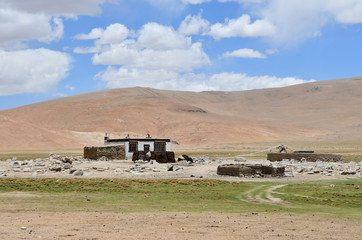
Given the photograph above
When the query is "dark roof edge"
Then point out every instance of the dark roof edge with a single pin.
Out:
(138, 139)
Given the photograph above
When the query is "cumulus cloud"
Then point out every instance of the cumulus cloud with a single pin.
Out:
(32, 70)
(155, 47)
(95, 33)
(298, 20)
(193, 25)
(55, 7)
(175, 59)
(250, 53)
(163, 79)
(114, 33)
(245, 53)
(39, 19)
(242, 27)
(17, 26)
(157, 36)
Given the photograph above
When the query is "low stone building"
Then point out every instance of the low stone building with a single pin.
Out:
(158, 149)
(148, 144)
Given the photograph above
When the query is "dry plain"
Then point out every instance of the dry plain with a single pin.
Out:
(257, 212)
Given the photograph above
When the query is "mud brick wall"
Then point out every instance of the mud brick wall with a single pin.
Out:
(110, 152)
(310, 157)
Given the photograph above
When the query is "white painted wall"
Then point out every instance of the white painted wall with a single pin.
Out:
(168, 146)
(141, 145)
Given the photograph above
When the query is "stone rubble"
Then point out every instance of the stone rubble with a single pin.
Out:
(293, 167)
(58, 165)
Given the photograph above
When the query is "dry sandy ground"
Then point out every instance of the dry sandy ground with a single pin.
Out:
(49, 225)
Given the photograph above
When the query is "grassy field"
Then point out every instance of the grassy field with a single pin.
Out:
(325, 198)
(33, 154)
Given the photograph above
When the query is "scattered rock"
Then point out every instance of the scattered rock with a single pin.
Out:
(67, 165)
(240, 159)
(169, 168)
(78, 172)
(187, 158)
(55, 168)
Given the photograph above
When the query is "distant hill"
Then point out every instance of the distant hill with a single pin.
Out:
(313, 111)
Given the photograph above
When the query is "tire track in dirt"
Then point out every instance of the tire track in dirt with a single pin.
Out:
(255, 194)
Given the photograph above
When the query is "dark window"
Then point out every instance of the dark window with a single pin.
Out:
(146, 147)
(160, 147)
(133, 146)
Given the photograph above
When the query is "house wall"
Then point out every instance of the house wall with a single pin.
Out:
(168, 146)
(140, 146)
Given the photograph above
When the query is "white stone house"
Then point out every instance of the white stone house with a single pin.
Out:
(140, 144)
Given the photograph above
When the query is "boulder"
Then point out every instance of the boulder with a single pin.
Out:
(78, 172)
(240, 159)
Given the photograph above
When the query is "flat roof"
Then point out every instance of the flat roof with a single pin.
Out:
(138, 139)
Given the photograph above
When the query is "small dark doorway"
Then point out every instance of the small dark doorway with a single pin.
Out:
(146, 147)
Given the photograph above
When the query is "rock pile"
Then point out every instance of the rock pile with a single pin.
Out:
(293, 167)
(54, 163)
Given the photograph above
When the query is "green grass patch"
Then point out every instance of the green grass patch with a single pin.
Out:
(29, 155)
(124, 195)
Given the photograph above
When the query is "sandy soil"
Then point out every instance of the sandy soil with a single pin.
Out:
(48, 225)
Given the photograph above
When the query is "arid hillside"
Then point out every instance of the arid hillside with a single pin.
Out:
(314, 111)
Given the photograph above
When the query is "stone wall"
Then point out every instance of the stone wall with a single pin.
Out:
(160, 157)
(110, 152)
(248, 170)
(310, 157)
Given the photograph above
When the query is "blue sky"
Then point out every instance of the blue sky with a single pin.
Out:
(57, 48)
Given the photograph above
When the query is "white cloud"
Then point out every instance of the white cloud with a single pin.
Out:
(39, 19)
(95, 33)
(114, 33)
(16, 26)
(242, 27)
(155, 47)
(55, 7)
(298, 20)
(193, 25)
(32, 70)
(245, 53)
(175, 59)
(163, 79)
(157, 36)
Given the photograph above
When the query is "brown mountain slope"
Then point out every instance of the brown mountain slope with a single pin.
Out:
(328, 109)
